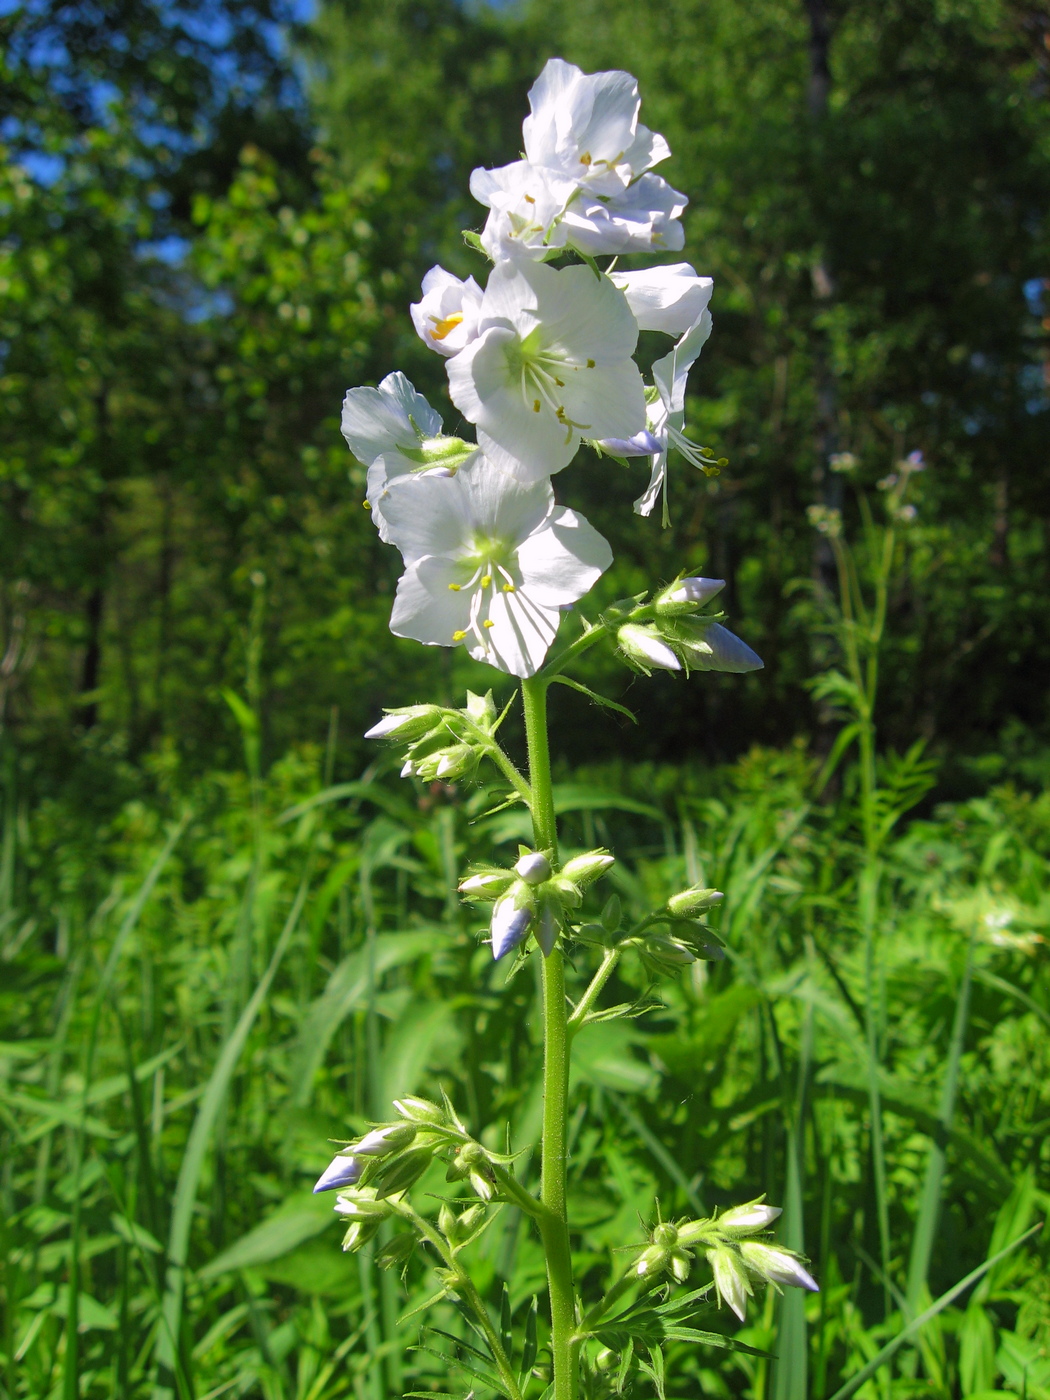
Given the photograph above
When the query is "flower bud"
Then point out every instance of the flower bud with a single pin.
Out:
(688, 591)
(776, 1265)
(486, 884)
(360, 1204)
(665, 1234)
(568, 891)
(693, 901)
(698, 1232)
(712, 647)
(548, 926)
(419, 1110)
(482, 1185)
(731, 1282)
(755, 1215)
(510, 923)
(380, 1141)
(652, 1261)
(343, 1170)
(396, 1252)
(606, 1360)
(409, 723)
(481, 710)
(359, 1233)
(470, 1155)
(451, 763)
(448, 1222)
(681, 1262)
(447, 452)
(471, 1218)
(584, 869)
(403, 1171)
(646, 649)
(534, 868)
(668, 953)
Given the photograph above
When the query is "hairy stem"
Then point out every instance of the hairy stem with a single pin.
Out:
(554, 1228)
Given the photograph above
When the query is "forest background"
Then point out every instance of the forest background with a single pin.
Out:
(214, 216)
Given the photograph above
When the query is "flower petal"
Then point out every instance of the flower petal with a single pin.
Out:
(424, 514)
(425, 608)
(564, 560)
(393, 416)
(669, 299)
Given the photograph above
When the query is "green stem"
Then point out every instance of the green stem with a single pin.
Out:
(554, 1227)
(578, 1019)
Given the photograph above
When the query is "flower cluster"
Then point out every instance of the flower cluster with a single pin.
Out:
(533, 896)
(733, 1256)
(679, 637)
(539, 360)
(373, 1173)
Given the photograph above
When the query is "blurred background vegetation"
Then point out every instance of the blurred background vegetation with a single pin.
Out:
(214, 216)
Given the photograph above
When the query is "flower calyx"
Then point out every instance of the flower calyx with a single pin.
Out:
(663, 1254)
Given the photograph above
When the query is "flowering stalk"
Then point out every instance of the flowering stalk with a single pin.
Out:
(554, 1227)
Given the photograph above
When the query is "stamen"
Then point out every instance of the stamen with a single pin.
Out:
(486, 580)
(585, 158)
(455, 587)
(590, 364)
(508, 588)
(367, 505)
(488, 622)
(535, 405)
(442, 326)
(458, 636)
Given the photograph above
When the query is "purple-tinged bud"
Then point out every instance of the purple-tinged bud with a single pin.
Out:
(509, 925)
(343, 1170)
(777, 1265)
(534, 868)
(642, 444)
(547, 928)
(690, 590)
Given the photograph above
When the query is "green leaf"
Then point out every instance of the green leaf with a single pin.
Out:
(602, 700)
(298, 1219)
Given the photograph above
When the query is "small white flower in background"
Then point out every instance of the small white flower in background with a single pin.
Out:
(584, 127)
(490, 561)
(550, 365)
(666, 413)
(446, 316)
(670, 299)
(644, 219)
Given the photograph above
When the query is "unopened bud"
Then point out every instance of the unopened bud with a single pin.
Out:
(510, 924)
(584, 869)
(448, 764)
(755, 1215)
(681, 1262)
(668, 952)
(652, 1261)
(776, 1265)
(481, 709)
(380, 1141)
(665, 1234)
(409, 723)
(343, 1170)
(448, 1222)
(418, 1110)
(403, 1171)
(359, 1233)
(606, 1360)
(693, 901)
(360, 1204)
(646, 648)
(731, 1281)
(712, 647)
(487, 883)
(534, 868)
(688, 591)
(396, 1252)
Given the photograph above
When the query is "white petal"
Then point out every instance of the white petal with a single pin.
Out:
(671, 372)
(608, 400)
(425, 608)
(424, 514)
(385, 419)
(576, 115)
(564, 560)
(645, 218)
(657, 477)
(667, 299)
(520, 636)
(446, 317)
(501, 506)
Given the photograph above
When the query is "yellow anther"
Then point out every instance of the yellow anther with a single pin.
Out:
(529, 199)
(486, 579)
(367, 505)
(590, 364)
(458, 636)
(560, 383)
(535, 405)
(508, 588)
(446, 324)
(455, 587)
(488, 622)
(585, 158)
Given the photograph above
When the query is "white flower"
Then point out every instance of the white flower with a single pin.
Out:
(446, 317)
(645, 218)
(666, 414)
(551, 363)
(489, 561)
(525, 205)
(690, 590)
(670, 299)
(391, 419)
(584, 126)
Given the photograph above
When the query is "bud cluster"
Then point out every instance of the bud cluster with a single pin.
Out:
(734, 1257)
(440, 744)
(680, 638)
(533, 896)
(391, 1157)
(688, 939)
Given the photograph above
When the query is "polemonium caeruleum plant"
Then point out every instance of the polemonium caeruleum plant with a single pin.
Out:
(540, 361)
